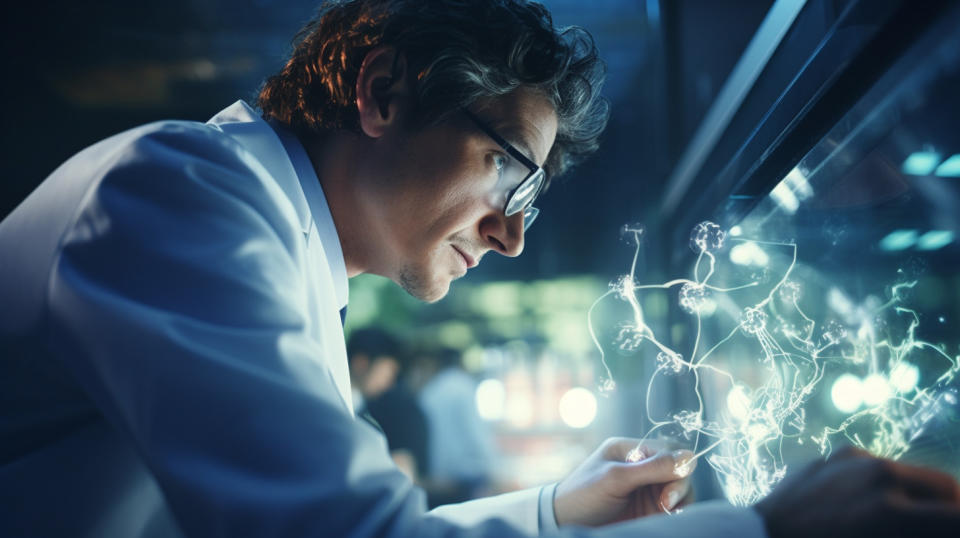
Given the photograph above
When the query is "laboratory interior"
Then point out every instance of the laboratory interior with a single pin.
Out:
(760, 263)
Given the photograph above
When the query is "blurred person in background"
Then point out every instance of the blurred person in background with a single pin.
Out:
(462, 450)
(381, 395)
(172, 359)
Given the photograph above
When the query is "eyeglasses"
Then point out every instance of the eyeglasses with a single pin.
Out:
(519, 171)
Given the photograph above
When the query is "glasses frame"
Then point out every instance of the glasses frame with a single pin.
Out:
(537, 173)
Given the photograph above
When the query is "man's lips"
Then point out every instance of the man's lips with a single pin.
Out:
(470, 261)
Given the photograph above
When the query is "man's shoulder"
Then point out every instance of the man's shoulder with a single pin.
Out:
(174, 140)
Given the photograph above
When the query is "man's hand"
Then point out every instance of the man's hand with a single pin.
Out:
(856, 495)
(606, 488)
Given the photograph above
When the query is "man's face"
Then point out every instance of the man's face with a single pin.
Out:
(441, 200)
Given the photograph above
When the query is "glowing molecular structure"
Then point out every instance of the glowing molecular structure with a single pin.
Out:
(607, 386)
(790, 292)
(690, 421)
(693, 297)
(670, 362)
(753, 320)
(744, 443)
(707, 237)
(834, 332)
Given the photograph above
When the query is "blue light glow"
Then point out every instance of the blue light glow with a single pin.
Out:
(935, 239)
(921, 163)
(950, 167)
(899, 240)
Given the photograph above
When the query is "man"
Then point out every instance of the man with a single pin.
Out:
(462, 451)
(379, 367)
(173, 357)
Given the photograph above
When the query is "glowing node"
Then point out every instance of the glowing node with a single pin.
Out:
(624, 287)
(847, 393)
(631, 232)
(683, 468)
(607, 386)
(670, 362)
(578, 407)
(634, 455)
(753, 320)
(876, 390)
(630, 338)
(790, 292)
(690, 421)
(707, 237)
(693, 297)
(834, 332)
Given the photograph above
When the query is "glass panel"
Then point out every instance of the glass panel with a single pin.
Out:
(848, 330)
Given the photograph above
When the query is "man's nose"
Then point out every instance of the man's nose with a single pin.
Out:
(504, 234)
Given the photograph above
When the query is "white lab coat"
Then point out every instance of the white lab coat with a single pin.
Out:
(173, 359)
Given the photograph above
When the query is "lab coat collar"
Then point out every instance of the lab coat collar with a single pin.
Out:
(285, 158)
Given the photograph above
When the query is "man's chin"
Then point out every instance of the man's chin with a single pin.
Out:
(427, 291)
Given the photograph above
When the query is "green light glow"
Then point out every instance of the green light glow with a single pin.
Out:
(935, 239)
(950, 167)
(921, 163)
(898, 240)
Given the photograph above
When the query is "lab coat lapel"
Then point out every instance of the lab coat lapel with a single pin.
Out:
(256, 136)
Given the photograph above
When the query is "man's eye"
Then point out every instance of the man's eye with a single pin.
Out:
(500, 161)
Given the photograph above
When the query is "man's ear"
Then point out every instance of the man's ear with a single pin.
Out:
(382, 91)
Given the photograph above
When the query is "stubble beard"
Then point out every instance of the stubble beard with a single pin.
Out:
(418, 285)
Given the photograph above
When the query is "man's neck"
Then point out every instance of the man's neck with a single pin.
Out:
(334, 158)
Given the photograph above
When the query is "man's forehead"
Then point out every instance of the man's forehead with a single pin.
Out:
(526, 119)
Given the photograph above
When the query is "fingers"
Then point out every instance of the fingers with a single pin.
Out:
(673, 493)
(626, 448)
(661, 468)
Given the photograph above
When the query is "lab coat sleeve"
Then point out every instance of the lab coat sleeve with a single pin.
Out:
(177, 301)
(519, 508)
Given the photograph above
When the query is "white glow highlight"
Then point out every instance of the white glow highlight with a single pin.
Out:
(785, 198)
(491, 399)
(847, 393)
(749, 253)
(797, 181)
(904, 377)
(578, 407)
(876, 390)
(738, 403)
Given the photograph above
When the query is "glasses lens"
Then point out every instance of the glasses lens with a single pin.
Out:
(525, 194)
(529, 215)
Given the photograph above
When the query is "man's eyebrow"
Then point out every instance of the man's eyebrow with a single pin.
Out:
(515, 137)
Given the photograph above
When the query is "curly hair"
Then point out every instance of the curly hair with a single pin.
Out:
(458, 50)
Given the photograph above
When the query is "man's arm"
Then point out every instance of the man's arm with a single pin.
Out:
(178, 302)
